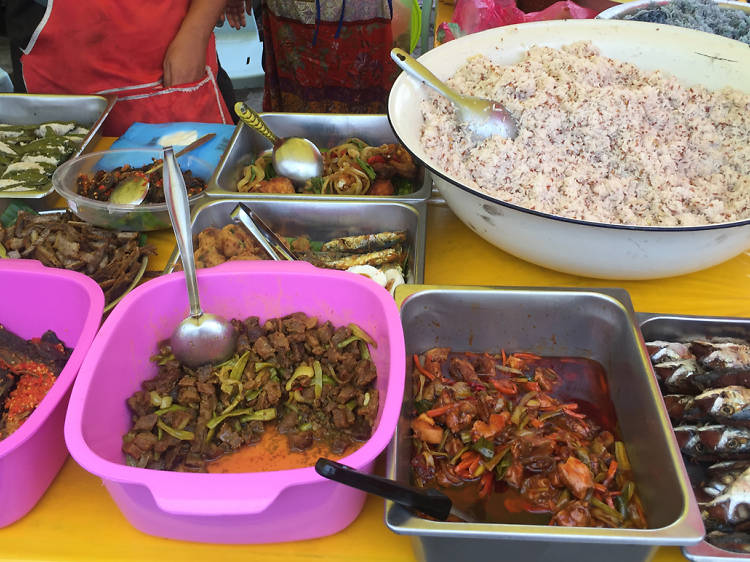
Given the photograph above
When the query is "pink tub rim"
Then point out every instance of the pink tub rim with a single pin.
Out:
(228, 493)
(68, 374)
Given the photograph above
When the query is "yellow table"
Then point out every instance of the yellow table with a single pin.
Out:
(77, 520)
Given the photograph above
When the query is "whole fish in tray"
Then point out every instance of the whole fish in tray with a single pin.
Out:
(729, 405)
(679, 375)
(716, 478)
(661, 351)
(712, 442)
(732, 505)
(682, 408)
(728, 355)
(366, 243)
(706, 385)
(736, 542)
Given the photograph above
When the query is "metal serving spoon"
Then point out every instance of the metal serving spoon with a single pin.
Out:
(295, 158)
(202, 337)
(484, 118)
(430, 502)
(133, 189)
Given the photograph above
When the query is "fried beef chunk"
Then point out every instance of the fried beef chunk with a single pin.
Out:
(314, 381)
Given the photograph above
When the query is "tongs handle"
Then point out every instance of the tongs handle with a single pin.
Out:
(263, 234)
(431, 502)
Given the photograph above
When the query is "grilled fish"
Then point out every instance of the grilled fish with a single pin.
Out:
(688, 439)
(366, 243)
(729, 405)
(735, 542)
(720, 475)
(682, 408)
(722, 355)
(661, 351)
(722, 442)
(676, 376)
(732, 506)
(338, 260)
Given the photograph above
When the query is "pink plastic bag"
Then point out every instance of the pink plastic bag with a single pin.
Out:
(470, 16)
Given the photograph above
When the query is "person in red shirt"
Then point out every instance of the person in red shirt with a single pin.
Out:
(157, 58)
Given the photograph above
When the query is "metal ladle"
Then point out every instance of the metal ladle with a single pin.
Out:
(483, 117)
(133, 189)
(202, 337)
(295, 158)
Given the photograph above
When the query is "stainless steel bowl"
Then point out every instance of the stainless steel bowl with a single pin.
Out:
(598, 324)
(575, 246)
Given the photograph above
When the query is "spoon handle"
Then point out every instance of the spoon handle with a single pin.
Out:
(176, 197)
(414, 68)
(192, 146)
(253, 120)
(431, 502)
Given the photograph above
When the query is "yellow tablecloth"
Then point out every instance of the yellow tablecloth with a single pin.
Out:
(77, 520)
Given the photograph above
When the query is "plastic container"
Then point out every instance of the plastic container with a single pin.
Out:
(143, 217)
(37, 299)
(228, 508)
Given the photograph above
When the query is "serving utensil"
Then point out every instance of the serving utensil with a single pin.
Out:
(483, 117)
(430, 502)
(267, 238)
(133, 189)
(202, 337)
(295, 158)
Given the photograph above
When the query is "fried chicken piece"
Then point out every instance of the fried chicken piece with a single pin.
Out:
(278, 184)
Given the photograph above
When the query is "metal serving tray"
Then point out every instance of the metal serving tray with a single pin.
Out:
(668, 327)
(323, 220)
(593, 323)
(325, 130)
(30, 109)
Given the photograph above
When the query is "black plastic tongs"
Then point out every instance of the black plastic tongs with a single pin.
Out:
(266, 237)
(430, 502)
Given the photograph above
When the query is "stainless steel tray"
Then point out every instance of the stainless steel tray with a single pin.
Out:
(594, 323)
(670, 326)
(325, 130)
(30, 109)
(133, 284)
(323, 220)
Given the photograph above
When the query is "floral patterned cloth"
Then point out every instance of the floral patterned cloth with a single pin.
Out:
(327, 56)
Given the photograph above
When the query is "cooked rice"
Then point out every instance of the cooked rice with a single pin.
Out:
(600, 140)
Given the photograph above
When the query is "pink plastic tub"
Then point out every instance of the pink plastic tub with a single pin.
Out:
(36, 299)
(228, 508)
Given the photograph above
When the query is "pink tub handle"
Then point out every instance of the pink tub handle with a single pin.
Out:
(231, 499)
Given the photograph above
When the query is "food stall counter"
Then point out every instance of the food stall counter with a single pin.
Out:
(77, 519)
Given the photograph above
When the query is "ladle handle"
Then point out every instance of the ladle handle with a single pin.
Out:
(253, 120)
(192, 146)
(176, 197)
(411, 66)
(431, 502)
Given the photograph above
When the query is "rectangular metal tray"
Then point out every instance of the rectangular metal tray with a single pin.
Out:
(325, 130)
(594, 323)
(30, 109)
(323, 220)
(670, 326)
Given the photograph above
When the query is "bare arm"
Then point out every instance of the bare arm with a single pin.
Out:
(185, 59)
